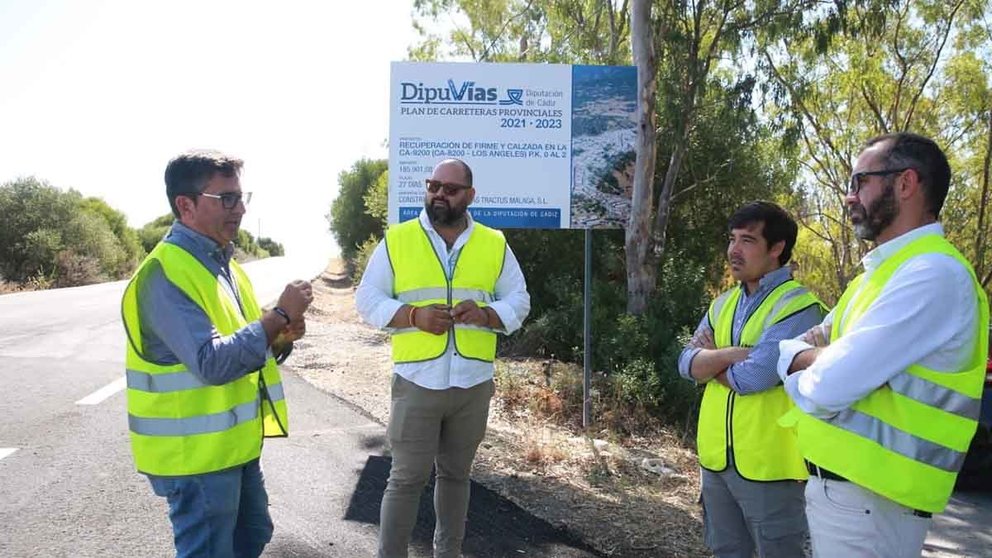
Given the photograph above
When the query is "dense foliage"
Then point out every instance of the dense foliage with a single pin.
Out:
(350, 221)
(57, 238)
(50, 237)
(755, 100)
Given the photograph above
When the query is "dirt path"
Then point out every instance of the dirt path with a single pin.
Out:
(597, 490)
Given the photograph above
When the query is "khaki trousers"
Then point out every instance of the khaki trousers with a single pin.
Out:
(441, 428)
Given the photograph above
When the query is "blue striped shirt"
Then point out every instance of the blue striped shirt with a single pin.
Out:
(757, 372)
(175, 329)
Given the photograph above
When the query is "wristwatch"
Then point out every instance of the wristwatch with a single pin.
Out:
(282, 313)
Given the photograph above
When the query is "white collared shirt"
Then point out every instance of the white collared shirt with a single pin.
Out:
(375, 302)
(926, 314)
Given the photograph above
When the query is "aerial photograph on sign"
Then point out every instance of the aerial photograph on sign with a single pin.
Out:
(604, 101)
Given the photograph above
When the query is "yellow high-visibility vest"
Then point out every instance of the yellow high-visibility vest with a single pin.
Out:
(747, 424)
(907, 439)
(180, 425)
(419, 279)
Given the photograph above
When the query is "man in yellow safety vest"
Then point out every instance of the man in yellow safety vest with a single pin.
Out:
(752, 473)
(203, 389)
(443, 285)
(888, 387)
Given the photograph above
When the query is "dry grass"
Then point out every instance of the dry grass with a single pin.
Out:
(7, 288)
(590, 482)
(37, 284)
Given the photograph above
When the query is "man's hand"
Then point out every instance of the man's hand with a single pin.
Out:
(804, 359)
(435, 318)
(295, 299)
(722, 378)
(468, 312)
(292, 332)
(817, 336)
(703, 339)
(286, 336)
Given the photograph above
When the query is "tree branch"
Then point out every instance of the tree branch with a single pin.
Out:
(933, 67)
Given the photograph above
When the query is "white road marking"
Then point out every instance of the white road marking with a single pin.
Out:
(106, 391)
(4, 452)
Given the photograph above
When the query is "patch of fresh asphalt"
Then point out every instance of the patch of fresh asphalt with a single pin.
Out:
(327, 479)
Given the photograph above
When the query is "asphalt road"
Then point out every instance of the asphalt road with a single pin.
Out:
(68, 487)
(67, 482)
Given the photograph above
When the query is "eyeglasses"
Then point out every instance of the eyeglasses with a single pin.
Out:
(229, 199)
(857, 179)
(450, 188)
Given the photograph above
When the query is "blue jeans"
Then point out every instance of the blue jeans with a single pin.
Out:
(218, 515)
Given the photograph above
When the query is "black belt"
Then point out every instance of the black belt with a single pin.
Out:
(817, 471)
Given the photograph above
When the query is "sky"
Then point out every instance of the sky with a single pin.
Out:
(99, 95)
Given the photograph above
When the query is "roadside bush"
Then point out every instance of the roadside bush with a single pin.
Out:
(155, 231)
(88, 236)
(127, 238)
(72, 269)
(34, 215)
(361, 260)
(349, 219)
(271, 246)
(51, 237)
(40, 247)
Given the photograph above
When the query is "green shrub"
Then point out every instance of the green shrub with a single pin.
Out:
(152, 233)
(271, 246)
(361, 259)
(349, 220)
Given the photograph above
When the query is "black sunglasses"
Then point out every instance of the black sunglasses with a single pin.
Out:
(450, 188)
(857, 179)
(229, 200)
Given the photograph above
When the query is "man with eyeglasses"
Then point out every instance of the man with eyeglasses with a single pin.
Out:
(444, 286)
(887, 388)
(203, 388)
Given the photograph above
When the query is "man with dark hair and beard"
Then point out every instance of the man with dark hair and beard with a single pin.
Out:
(443, 286)
(887, 388)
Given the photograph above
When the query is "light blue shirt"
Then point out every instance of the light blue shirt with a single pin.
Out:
(758, 371)
(175, 329)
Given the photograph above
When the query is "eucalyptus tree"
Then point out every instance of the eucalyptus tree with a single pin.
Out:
(879, 66)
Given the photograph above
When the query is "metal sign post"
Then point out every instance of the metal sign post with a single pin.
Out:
(586, 335)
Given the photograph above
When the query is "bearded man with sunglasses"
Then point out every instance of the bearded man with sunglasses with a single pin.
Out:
(888, 387)
(203, 389)
(444, 286)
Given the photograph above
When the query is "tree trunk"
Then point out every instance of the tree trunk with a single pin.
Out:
(981, 235)
(660, 232)
(641, 274)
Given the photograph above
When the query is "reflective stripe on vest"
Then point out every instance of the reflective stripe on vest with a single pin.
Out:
(441, 293)
(420, 279)
(179, 381)
(907, 439)
(762, 452)
(203, 424)
(179, 424)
